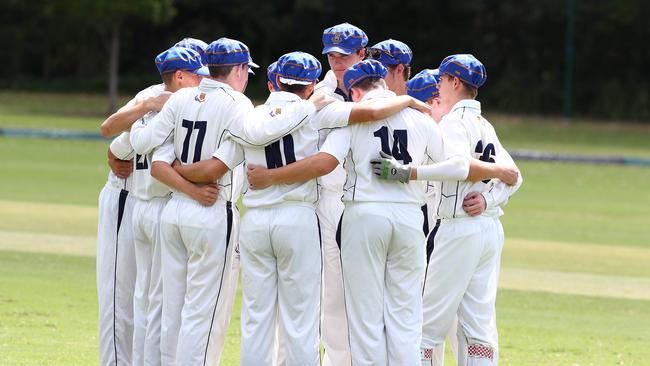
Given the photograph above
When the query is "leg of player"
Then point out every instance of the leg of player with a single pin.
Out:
(449, 271)
(207, 234)
(334, 320)
(404, 274)
(174, 257)
(115, 276)
(142, 236)
(477, 332)
(365, 234)
(297, 247)
(259, 289)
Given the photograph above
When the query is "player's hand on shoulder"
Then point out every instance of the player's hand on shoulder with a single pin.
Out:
(508, 175)
(474, 203)
(321, 100)
(121, 168)
(206, 195)
(157, 103)
(258, 176)
(420, 106)
(387, 167)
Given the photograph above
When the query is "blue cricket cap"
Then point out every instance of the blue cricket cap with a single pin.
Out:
(343, 38)
(272, 75)
(465, 67)
(424, 85)
(180, 58)
(195, 44)
(363, 70)
(298, 68)
(228, 52)
(391, 52)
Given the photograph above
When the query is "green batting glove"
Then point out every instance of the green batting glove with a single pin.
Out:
(388, 168)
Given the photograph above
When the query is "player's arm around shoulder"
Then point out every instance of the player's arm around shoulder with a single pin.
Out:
(146, 137)
(382, 108)
(323, 162)
(145, 101)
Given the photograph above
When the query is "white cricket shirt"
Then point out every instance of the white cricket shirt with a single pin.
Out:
(298, 145)
(409, 136)
(474, 136)
(199, 120)
(146, 187)
(332, 182)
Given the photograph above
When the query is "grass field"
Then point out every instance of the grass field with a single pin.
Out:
(575, 286)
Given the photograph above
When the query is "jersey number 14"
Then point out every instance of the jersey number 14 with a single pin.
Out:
(400, 144)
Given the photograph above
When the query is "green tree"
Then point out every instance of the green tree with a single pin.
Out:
(105, 18)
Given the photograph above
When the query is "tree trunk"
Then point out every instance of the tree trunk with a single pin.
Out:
(113, 68)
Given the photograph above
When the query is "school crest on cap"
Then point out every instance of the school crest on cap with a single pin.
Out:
(336, 38)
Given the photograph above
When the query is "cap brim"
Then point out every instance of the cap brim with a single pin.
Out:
(338, 49)
(203, 71)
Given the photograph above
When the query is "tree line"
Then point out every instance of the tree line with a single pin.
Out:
(76, 45)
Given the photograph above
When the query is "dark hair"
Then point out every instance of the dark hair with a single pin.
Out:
(220, 72)
(369, 83)
(167, 78)
(294, 88)
(406, 74)
(469, 90)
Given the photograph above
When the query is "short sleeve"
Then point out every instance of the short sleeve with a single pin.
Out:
(334, 115)
(165, 153)
(230, 153)
(455, 137)
(121, 147)
(337, 143)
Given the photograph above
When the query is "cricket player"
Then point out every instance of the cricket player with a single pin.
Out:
(197, 241)
(396, 56)
(344, 44)
(115, 258)
(179, 67)
(463, 268)
(424, 87)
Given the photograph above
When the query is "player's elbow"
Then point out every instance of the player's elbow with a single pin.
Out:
(157, 169)
(325, 164)
(105, 130)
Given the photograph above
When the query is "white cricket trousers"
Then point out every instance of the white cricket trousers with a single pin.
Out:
(461, 279)
(334, 323)
(115, 276)
(197, 253)
(147, 298)
(382, 256)
(281, 286)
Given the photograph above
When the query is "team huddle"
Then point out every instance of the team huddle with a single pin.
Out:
(372, 210)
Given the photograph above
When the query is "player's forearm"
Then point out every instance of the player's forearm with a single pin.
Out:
(263, 132)
(377, 109)
(454, 168)
(123, 119)
(164, 172)
(303, 170)
(205, 171)
(480, 170)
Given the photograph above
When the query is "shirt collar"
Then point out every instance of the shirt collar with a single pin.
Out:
(471, 104)
(282, 97)
(378, 93)
(208, 84)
